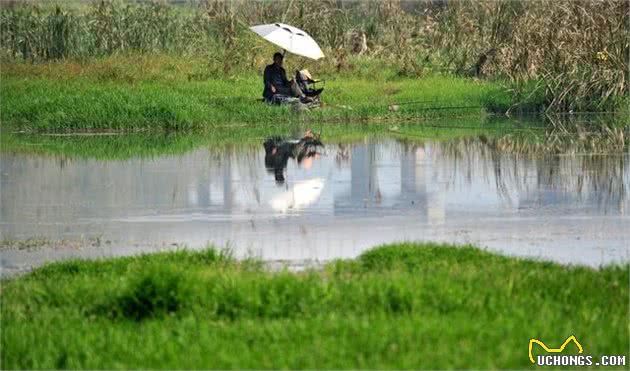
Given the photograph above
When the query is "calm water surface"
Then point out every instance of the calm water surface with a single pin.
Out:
(570, 209)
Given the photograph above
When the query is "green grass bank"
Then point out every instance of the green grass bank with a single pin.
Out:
(405, 306)
(163, 93)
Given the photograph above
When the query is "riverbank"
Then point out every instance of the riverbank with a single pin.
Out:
(118, 94)
(400, 306)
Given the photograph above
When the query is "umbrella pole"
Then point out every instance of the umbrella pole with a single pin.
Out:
(284, 52)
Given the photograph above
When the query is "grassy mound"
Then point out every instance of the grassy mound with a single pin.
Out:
(398, 306)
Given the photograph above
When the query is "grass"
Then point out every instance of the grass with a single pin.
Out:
(398, 306)
(117, 95)
(35, 243)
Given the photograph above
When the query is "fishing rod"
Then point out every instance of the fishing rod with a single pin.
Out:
(394, 106)
(415, 102)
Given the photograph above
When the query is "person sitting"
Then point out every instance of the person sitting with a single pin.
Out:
(276, 82)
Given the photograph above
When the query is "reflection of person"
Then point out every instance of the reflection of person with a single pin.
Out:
(279, 150)
(276, 82)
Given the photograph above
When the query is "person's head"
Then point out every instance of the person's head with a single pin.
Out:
(277, 59)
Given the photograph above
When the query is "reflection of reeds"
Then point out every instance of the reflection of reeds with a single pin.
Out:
(567, 135)
(603, 178)
(342, 155)
(558, 143)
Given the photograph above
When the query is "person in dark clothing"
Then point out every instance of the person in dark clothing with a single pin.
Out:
(279, 150)
(276, 82)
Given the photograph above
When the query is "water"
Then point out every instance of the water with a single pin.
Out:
(569, 209)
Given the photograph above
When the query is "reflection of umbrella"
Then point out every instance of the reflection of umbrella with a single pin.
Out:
(290, 39)
(302, 194)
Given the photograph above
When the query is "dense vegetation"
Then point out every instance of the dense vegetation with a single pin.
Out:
(563, 55)
(386, 310)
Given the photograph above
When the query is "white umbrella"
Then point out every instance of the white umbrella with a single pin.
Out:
(290, 39)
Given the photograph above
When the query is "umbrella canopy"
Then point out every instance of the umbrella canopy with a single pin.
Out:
(290, 39)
